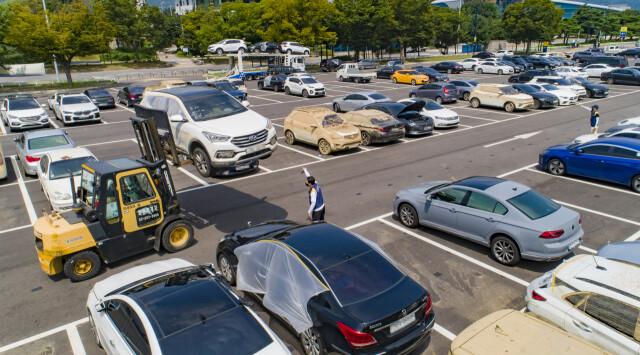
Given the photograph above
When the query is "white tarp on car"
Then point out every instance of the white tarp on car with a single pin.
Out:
(272, 269)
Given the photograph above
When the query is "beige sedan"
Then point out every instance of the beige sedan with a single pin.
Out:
(3, 165)
(321, 127)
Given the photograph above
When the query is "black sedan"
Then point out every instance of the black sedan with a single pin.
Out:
(448, 67)
(516, 59)
(593, 90)
(386, 72)
(484, 55)
(130, 95)
(517, 68)
(621, 76)
(530, 74)
(264, 47)
(100, 97)
(541, 99)
(367, 64)
(434, 76)
(540, 62)
(415, 122)
(272, 82)
(464, 88)
(340, 293)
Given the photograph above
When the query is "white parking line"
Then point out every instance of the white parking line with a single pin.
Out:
(15, 229)
(517, 170)
(42, 335)
(301, 152)
(585, 182)
(25, 194)
(635, 236)
(265, 169)
(124, 107)
(587, 249)
(447, 334)
(479, 118)
(111, 142)
(52, 121)
(264, 98)
(599, 213)
(464, 125)
(199, 180)
(75, 340)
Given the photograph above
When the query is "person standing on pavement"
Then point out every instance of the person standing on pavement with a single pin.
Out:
(316, 201)
(595, 118)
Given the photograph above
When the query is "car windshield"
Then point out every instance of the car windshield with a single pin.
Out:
(225, 86)
(332, 120)
(534, 204)
(508, 90)
(58, 169)
(136, 90)
(47, 142)
(432, 105)
(23, 104)
(360, 277)
(211, 105)
(72, 100)
(527, 89)
(562, 82)
(309, 80)
(378, 97)
(549, 87)
(99, 93)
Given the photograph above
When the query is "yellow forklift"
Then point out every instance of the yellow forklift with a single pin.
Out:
(121, 208)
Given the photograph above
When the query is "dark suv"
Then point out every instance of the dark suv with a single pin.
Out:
(585, 56)
(529, 74)
(540, 63)
(330, 64)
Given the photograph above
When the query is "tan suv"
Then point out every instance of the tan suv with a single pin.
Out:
(500, 95)
(321, 127)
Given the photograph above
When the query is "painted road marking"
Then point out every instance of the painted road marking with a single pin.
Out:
(585, 182)
(25, 194)
(599, 213)
(301, 152)
(635, 236)
(199, 180)
(75, 340)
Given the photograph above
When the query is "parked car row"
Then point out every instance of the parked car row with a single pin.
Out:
(240, 46)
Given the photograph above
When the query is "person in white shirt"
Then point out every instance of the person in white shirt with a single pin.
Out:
(316, 201)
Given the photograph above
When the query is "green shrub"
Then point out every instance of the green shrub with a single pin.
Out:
(129, 55)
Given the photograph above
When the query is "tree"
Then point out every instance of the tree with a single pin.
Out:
(569, 26)
(446, 23)
(532, 20)
(305, 21)
(590, 19)
(200, 29)
(361, 23)
(489, 25)
(78, 28)
(410, 23)
(242, 20)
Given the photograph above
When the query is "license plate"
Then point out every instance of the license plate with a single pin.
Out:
(243, 167)
(255, 148)
(402, 323)
(574, 244)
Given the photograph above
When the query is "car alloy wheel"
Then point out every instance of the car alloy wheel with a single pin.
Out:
(635, 183)
(449, 71)
(556, 167)
(226, 269)
(479, 70)
(219, 51)
(289, 52)
(394, 80)
(413, 81)
(287, 91)
(610, 81)
(94, 332)
(366, 138)
(311, 343)
(475, 103)
(408, 215)
(289, 138)
(305, 94)
(201, 161)
(336, 107)
(341, 78)
(260, 86)
(505, 251)
(589, 93)
(509, 107)
(439, 99)
(465, 96)
(536, 104)
(500, 72)
(324, 147)
(240, 50)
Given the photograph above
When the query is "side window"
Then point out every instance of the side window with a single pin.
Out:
(596, 149)
(136, 188)
(112, 213)
(174, 108)
(135, 334)
(623, 152)
(117, 314)
(483, 202)
(613, 313)
(451, 195)
(577, 299)
(359, 97)
(44, 164)
(351, 97)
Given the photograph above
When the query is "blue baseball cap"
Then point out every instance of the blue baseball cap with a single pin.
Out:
(594, 106)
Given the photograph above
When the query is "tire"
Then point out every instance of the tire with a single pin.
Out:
(240, 50)
(449, 71)
(260, 86)
(589, 93)
(336, 107)
(366, 138)
(289, 51)
(311, 342)
(324, 147)
(635, 183)
(536, 104)
(361, 68)
(177, 236)
(219, 51)
(479, 70)
(438, 99)
(611, 81)
(413, 82)
(360, 80)
(248, 77)
(287, 91)
(413, 95)
(509, 107)
(465, 96)
(277, 88)
(556, 167)
(341, 78)
(277, 51)
(500, 72)
(289, 138)
(92, 325)
(408, 215)
(225, 266)
(475, 103)
(202, 162)
(578, 60)
(305, 94)
(505, 250)
(82, 266)
(395, 81)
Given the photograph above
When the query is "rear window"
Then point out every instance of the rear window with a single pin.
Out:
(534, 204)
(136, 90)
(47, 142)
(361, 277)
(99, 93)
(378, 97)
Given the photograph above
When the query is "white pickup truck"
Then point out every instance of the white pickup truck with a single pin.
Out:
(350, 72)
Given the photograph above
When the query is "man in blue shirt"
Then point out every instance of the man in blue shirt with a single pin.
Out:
(316, 201)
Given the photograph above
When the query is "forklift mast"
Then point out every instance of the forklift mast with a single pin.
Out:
(154, 136)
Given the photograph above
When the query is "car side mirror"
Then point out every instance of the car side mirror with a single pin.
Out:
(17, 140)
(176, 118)
(429, 197)
(577, 150)
(313, 126)
(99, 307)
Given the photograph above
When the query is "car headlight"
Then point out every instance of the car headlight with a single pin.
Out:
(215, 137)
(61, 196)
(269, 124)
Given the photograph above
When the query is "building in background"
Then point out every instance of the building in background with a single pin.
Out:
(569, 7)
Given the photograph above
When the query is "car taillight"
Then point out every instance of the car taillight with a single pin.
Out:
(580, 220)
(536, 296)
(427, 309)
(133, 96)
(552, 234)
(446, 91)
(355, 338)
(32, 159)
(384, 129)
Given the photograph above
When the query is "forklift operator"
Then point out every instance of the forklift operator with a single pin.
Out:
(136, 188)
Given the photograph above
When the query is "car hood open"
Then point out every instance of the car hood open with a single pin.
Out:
(417, 106)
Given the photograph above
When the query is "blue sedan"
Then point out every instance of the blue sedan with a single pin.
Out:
(613, 159)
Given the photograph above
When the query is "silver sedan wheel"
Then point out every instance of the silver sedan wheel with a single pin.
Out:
(310, 342)
(504, 251)
(408, 216)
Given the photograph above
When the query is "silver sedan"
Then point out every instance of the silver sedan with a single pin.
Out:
(357, 100)
(32, 145)
(515, 221)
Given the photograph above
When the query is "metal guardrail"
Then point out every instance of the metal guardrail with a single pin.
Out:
(162, 74)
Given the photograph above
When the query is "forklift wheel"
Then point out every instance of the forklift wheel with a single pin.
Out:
(177, 236)
(82, 266)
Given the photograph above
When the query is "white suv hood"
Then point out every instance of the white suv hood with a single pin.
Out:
(80, 107)
(242, 124)
(315, 86)
(27, 113)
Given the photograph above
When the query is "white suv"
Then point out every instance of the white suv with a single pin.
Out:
(294, 48)
(228, 46)
(594, 298)
(20, 112)
(217, 132)
(304, 86)
(75, 108)
(561, 83)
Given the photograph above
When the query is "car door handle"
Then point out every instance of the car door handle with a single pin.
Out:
(113, 343)
(490, 219)
(581, 325)
(452, 210)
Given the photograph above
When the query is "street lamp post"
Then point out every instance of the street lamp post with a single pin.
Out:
(458, 39)
(55, 62)
(475, 31)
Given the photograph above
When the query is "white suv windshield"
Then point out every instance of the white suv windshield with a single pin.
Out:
(75, 100)
(23, 104)
(210, 106)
